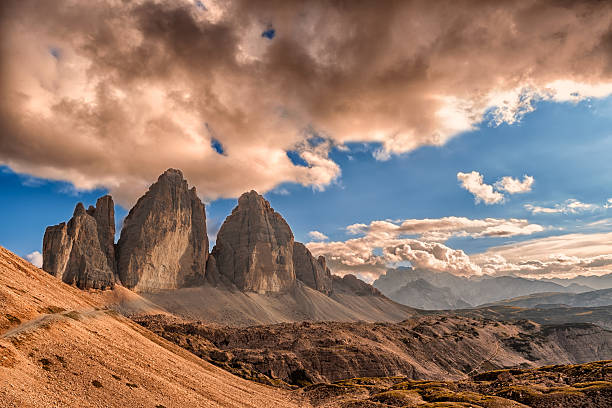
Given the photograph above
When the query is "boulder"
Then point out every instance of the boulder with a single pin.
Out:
(163, 242)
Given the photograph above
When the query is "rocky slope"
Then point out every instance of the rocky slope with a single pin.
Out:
(82, 252)
(237, 308)
(58, 347)
(436, 347)
(163, 242)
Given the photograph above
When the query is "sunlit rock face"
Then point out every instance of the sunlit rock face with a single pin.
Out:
(164, 244)
(254, 247)
(80, 253)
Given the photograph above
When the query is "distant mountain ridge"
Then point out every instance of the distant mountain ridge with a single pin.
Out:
(595, 298)
(441, 290)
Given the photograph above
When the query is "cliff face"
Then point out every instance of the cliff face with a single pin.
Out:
(163, 242)
(104, 214)
(254, 248)
(73, 252)
(313, 272)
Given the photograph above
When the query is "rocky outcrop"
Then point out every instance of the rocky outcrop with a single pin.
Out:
(73, 252)
(163, 242)
(254, 247)
(426, 347)
(313, 272)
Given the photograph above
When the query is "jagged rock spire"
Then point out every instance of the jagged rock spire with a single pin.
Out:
(78, 252)
(254, 247)
(163, 242)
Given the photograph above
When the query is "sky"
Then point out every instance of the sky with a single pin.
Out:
(465, 137)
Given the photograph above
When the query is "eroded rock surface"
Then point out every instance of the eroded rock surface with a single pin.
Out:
(254, 247)
(73, 252)
(313, 272)
(163, 242)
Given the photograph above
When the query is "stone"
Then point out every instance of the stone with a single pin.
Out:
(73, 253)
(313, 272)
(254, 247)
(163, 243)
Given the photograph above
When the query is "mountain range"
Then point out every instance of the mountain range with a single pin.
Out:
(426, 289)
(255, 274)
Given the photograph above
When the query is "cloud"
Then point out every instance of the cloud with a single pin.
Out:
(559, 256)
(35, 258)
(418, 241)
(318, 236)
(473, 182)
(570, 206)
(106, 93)
(441, 229)
(359, 256)
(515, 186)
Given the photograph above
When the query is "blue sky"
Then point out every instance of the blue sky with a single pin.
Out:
(566, 147)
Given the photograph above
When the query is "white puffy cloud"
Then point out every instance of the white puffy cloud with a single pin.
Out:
(105, 93)
(371, 255)
(473, 182)
(318, 236)
(385, 243)
(515, 186)
(490, 194)
(35, 258)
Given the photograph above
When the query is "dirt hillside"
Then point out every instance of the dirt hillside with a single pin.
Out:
(60, 347)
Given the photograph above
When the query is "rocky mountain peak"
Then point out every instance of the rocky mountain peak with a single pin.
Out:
(254, 248)
(163, 242)
(78, 210)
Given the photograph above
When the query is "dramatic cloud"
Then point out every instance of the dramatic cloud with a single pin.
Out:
(370, 256)
(473, 182)
(560, 256)
(111, 93)
(571, 206)
(35, 258)
(318, 236)
(515, 186)
(387, 243)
